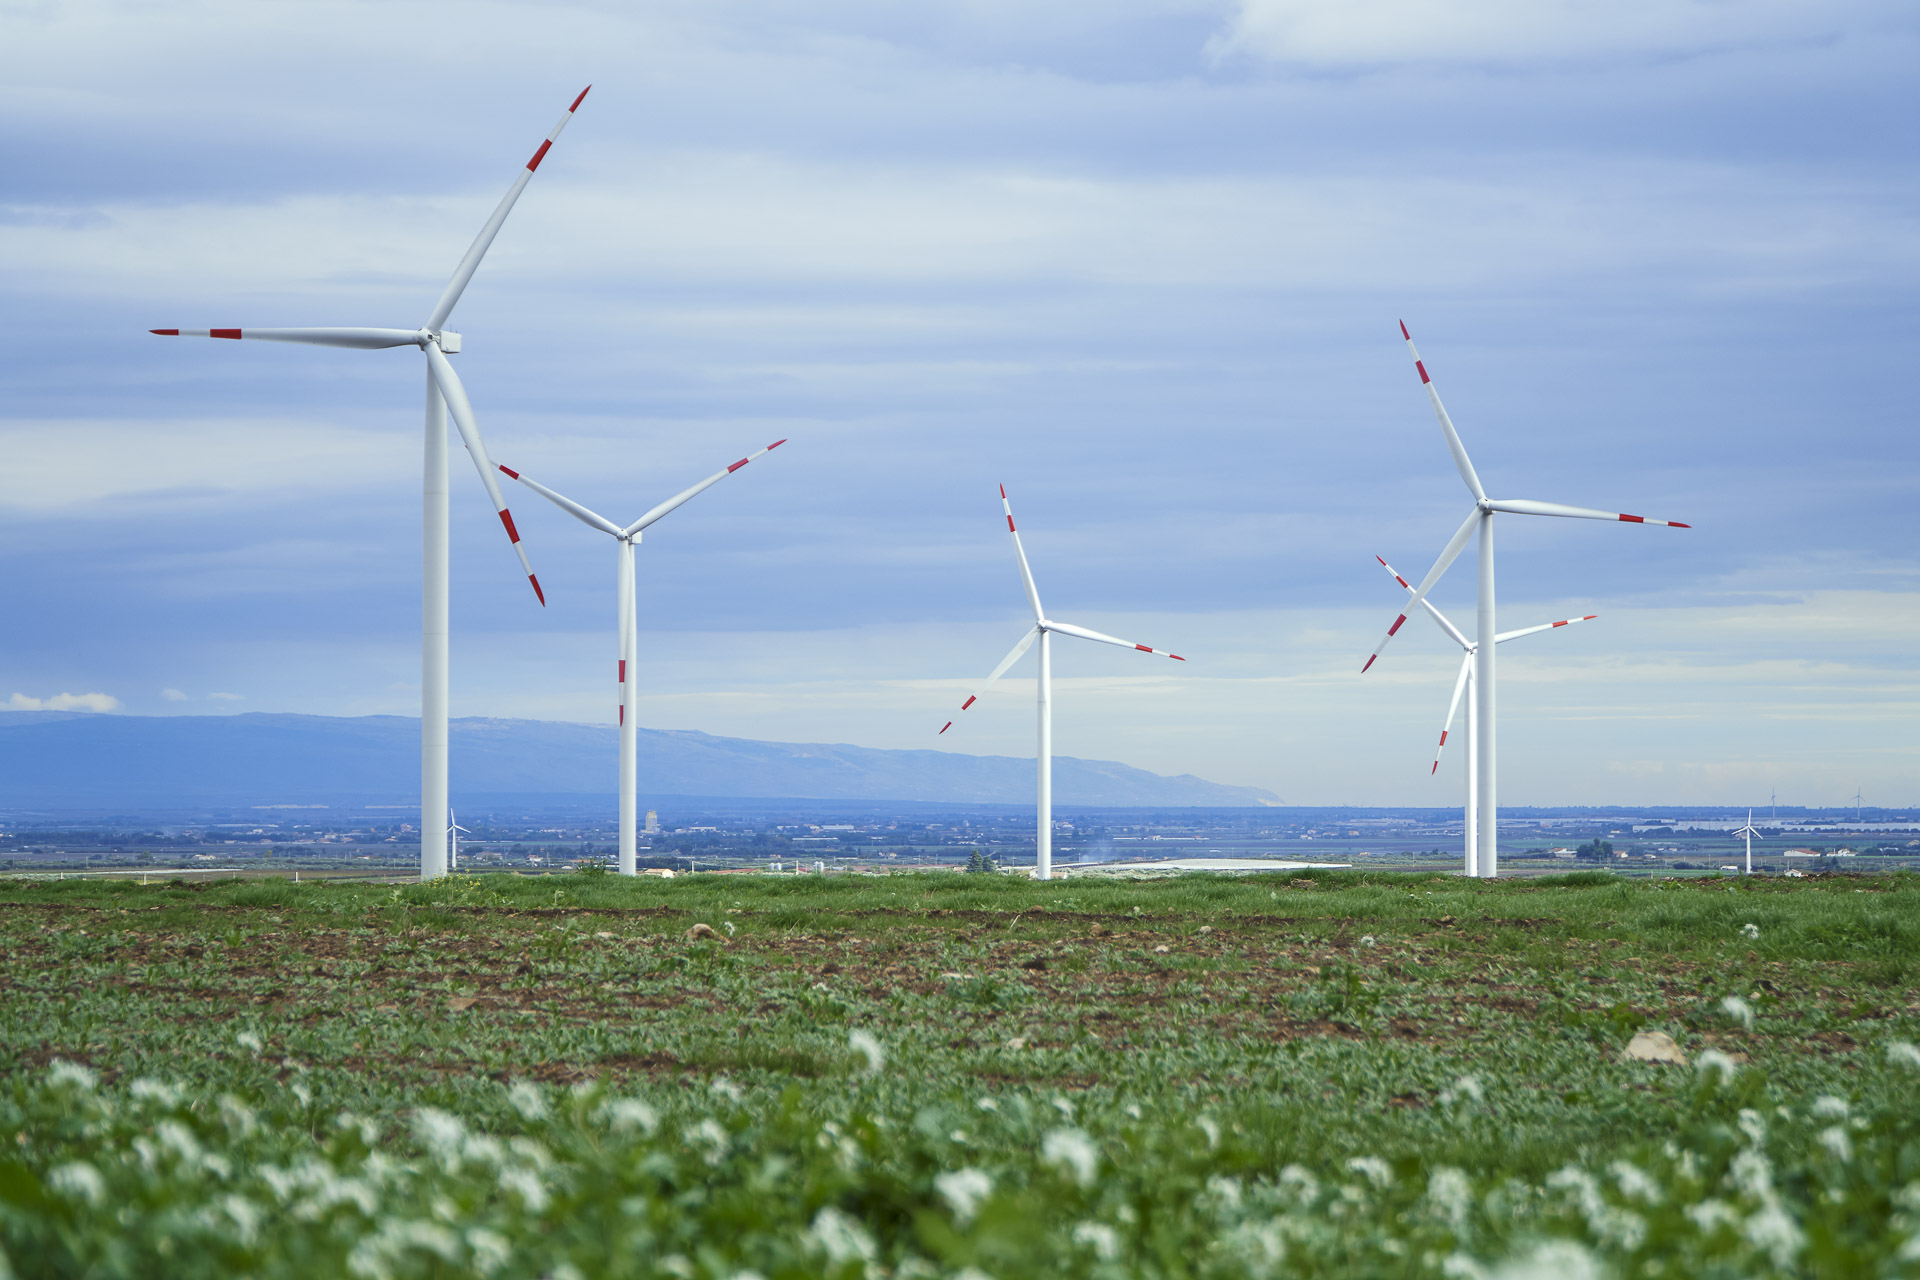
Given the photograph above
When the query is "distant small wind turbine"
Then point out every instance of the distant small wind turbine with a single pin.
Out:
(1464, 684)
(454, 832)
(1749, 832)
(628, 630)
(1043, 629)
(1857, 819)
(1480, 521)
(444, 393)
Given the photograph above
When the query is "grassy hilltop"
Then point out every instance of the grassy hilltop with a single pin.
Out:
(1334, 1074)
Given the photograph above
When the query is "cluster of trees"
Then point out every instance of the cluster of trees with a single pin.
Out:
(1594, 851)
(980, 864)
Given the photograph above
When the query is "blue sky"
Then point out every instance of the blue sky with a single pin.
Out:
(1141, 261)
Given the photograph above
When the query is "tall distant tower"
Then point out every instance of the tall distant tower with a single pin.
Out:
(653, 823)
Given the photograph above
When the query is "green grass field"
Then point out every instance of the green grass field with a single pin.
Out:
(1336, 1074)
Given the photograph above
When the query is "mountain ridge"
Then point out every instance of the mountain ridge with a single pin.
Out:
(60, 759)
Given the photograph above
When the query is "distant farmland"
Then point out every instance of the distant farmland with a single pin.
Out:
(1309, 1074)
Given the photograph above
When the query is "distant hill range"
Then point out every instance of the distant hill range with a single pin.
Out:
(65, 760)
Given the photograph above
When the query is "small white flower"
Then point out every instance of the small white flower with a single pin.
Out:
(527, 1185)
(725, 1088)
(1753, 1124)
(79, 1181)
(527, 1100)
(163, 1092)
(840, 1237)
(628, 1114)
(1739, 1010)
(1211, 1127)
(248, 1040)
(1751, 930)
(864, 1044)
(1555, 1260)
(1373, 1169)
(1774, 1231)
(1072, 1149)
(1367, 940)
(1902, 1054)
(490, 1250)
(1104, 1240)
(987, 1104)
(1710, 1215)
(71, 1075)
(963, 1190)
(1636, 1182)
(1714, 1060)
(1300, 1185)
(1451, 1194)
(1465, 1089)
(1063, 1106)
(1837, 1142)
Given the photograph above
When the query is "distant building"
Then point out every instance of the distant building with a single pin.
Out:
(653, 823)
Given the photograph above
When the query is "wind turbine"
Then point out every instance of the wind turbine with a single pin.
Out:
(444, 393)
(1857, 819)
(1464, 684)
(1042, 630)
(628, 628)
(1749, 833)
(1480, 521)
(454, 831)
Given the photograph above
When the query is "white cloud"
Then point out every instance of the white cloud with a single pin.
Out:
(65, 702)
(86, 462)
(227, 697)
(1377, 32)
(173, 695)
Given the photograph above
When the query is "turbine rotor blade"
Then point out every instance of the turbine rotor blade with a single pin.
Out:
(1026, 574)
(685, 494)
(566, 504)
(1459, 450)
(1433, 610)
(1453, 708)
(478, 250)
(461, 410)
(1067, 630)
(1448, 555)
(1505, 636)
(1026, 643)
(364, 339)
(1527, 507)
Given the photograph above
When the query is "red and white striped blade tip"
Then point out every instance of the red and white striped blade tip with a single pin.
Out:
(1671, 524)
(1395, 572)
(197, 333)
(943, 728)
(536, 589)
(1403, 331)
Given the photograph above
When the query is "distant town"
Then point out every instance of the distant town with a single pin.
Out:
(801, 837)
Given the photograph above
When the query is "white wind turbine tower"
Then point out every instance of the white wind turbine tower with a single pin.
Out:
(1480, 521)
(628, 627)
(1464, 684)
(1043, 629)
(444, 393)
(1749, 833)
